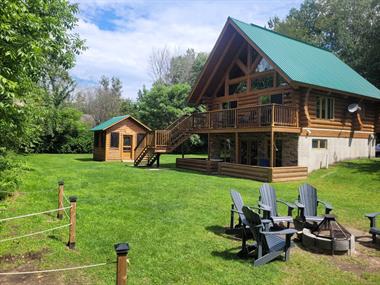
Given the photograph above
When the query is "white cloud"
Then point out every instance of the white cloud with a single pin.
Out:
(136, 27)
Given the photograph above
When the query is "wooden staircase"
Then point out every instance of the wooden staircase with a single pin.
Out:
(157, 142)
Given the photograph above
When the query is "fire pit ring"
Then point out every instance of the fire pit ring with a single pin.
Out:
(329, 235)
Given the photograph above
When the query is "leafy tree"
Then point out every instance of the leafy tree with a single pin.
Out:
(129, 107)
(197, 67)
(181, 67)
(349, 28)
(34, 35)
(163, 104)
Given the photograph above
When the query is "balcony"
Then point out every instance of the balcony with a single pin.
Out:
(261, 116)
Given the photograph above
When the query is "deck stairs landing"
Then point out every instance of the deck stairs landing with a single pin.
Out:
(157, 142)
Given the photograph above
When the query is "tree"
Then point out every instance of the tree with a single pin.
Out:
(181, 67)
(159, 62)
(129, 107)
(349, 28)
(197, 67)
(162, 104)
(34, 35)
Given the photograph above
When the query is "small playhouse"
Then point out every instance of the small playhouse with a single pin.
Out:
(117, 138)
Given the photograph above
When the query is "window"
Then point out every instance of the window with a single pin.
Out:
(262, 83)
(220, 92)
(271, 99)
(318, 143)
(281, 81)
(263, 66)
(114, 139)
(325, 107)
(229, 105)
(237, 88)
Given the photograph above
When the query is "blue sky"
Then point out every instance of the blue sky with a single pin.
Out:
(120, 35)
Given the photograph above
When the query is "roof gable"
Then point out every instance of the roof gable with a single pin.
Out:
(308, 64)
(298, 62)
(109, 123)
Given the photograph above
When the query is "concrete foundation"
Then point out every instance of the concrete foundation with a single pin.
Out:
(338, 149)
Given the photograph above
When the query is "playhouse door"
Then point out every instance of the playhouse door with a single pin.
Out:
(127, 147)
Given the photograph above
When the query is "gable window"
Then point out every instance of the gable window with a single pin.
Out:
(237, 88)
(236, 72)
(271, 99)
(325, 107)
(281, 81)
(114, 139)
(263, 66)
(262, 83)
(318, 143)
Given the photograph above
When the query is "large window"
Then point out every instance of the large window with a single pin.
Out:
(237, 88)
(325, 107)
(271, 99)
(114, 139)
(262, 83)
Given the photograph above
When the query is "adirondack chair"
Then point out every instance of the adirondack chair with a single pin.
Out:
(236, 207)
(374, 230)
(268, 204)
(307, 204)
(270, 244)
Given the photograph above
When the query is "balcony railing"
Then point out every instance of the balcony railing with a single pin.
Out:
(247, 117)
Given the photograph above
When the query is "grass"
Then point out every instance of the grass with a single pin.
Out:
(174, 222)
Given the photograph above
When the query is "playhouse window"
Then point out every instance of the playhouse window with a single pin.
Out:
(114, 139)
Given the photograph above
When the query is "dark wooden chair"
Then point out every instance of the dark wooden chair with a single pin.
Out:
(237, 207)
(374, 230)
(307, 204)
(268, 204)
(269, 244)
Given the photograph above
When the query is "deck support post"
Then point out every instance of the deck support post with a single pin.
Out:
(182, 151)
(122, 263)
(236, 147)
(271, 161)
(73, 221)
(208, 146)
(60, 199)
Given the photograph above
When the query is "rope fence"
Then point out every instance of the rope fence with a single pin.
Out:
(54, 270)
(121, 248)
(33, 214)
(35, 233)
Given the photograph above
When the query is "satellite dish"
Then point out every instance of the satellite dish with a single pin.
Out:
(352, 108)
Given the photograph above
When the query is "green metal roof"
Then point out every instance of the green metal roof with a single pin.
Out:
(105, 125)
(308, 64)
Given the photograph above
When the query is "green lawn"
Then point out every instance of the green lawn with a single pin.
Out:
(174, 222)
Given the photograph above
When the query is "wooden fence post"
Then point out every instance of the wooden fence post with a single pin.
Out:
(121, 266)
(73, 221)
(61, 186)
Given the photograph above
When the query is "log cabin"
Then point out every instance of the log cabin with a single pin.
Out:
(116, 138)
(277, 109)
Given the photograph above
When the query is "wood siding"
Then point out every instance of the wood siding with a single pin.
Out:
(197, 164)
(125, 127)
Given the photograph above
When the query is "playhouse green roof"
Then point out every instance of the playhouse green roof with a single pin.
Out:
(304, 63)
(105, 125)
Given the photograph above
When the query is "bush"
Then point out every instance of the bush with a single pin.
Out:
(9, 173)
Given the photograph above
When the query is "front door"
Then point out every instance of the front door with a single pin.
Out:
(127, 147)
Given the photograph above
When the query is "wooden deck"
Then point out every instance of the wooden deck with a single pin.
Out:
(260, 173)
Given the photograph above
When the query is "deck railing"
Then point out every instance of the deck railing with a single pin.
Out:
(247, 117)
(271, 115)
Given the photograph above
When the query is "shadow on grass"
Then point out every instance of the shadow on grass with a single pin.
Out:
(85, 159)
(225, 232)
(370, 167)
(231, 254)
(366, 241)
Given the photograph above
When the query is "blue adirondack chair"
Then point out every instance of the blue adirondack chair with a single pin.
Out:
(270, 244)
(237, 207)
(374, 230)
(307, 204)
(268, 204)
